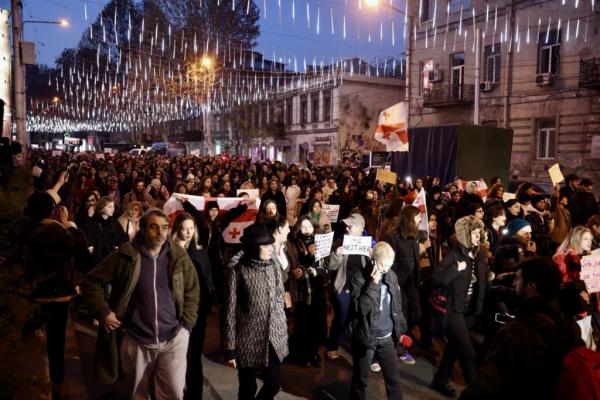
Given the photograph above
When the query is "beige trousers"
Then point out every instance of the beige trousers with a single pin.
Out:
(160, 367)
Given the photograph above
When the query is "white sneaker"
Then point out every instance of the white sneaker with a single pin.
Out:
(375, 367)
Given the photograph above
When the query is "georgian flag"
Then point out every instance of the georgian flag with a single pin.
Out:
(421, 203)
(392, 128)
(233, 231)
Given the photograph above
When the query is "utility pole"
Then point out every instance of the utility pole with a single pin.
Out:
(19, 76)
(477, 78)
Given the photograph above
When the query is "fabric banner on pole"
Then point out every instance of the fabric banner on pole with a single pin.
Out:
(392, 128)
(233, 231)
(421, 203)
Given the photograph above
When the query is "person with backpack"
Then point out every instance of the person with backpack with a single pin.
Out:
(526, 356)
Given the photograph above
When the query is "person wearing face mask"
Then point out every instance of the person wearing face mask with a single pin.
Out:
(463, 274)
(343, 266)
(307, 282)
(254, 307)
(86, 211)
(185, 234)
(104, 233)
(514, 246)
(376, 323)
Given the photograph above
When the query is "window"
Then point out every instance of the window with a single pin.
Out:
(493, 62)
(289, 111)
(315, 107)
(303, 111)
(457, 64)
(455, 5)
(327, 107)
(545, 141)
(426, 10)
(549, 53)
(426, 66)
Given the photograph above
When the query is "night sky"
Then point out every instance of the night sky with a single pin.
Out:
(286, 38)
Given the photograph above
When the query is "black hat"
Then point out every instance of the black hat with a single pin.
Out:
(255, 235)
(212, 204)
(39, 206)
(586, 182)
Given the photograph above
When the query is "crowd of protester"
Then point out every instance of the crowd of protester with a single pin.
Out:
(491, 283)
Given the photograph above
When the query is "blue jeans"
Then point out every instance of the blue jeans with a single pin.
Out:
(341, 305)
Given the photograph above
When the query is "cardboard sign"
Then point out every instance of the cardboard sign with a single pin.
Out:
(332, 211)
(357, 245)
(590, 273)
(99, 156)
(323, 243)
(56, 153)
(252, 193)
(386, 176)
(556, 174)
(508, 196)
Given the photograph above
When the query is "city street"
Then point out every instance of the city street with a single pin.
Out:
(330, 381)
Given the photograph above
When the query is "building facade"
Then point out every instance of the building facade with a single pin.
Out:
(317, 119)
(538, 73)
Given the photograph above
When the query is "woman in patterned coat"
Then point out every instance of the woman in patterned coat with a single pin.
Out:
(255, 328)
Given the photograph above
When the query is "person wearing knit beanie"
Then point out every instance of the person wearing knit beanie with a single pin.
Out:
(517, 226)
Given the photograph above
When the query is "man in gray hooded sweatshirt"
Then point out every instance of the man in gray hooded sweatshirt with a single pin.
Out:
(147, 319)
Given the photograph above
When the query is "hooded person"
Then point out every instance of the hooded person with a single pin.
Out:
(255, 327)
(463, 275)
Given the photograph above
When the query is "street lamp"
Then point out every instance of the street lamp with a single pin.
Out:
(19, 72)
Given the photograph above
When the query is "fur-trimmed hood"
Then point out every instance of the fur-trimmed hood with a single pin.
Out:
(463, 228)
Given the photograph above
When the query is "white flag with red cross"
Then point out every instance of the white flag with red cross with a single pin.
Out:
(421, 203)
(233, 231)
(392, 128)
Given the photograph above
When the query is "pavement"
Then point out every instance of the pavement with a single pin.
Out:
(330, 381)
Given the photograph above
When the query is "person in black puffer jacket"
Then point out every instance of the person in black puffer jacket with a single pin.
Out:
(463, 273)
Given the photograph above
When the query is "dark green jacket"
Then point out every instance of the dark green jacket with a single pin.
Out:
(121, 270)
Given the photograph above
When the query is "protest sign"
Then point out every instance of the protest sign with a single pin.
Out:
(252, 193)
(556, 174)
(508, 196)
(357, 245)
(56, 153)
(332, 211)
(323, 243)
(99, 156)
(590, 272)
(386, 176)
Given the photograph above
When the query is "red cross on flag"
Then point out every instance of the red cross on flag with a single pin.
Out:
(234, 230)
(392, 128)
(421, 203)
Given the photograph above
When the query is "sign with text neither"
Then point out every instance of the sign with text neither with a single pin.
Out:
(357, 245)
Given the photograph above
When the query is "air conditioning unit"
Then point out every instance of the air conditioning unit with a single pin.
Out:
(486, 86)
(544, 79)
(435, 75)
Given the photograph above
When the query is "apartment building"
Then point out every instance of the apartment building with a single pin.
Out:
(538, 73)
(314, 119)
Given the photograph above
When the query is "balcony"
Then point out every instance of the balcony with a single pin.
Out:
(448, 96)
(589, 74)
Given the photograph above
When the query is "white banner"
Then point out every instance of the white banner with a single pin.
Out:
(323, 243)
(357, 245)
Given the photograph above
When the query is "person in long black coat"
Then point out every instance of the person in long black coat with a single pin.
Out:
(185, 234)
(103, 232)
(407, 267)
